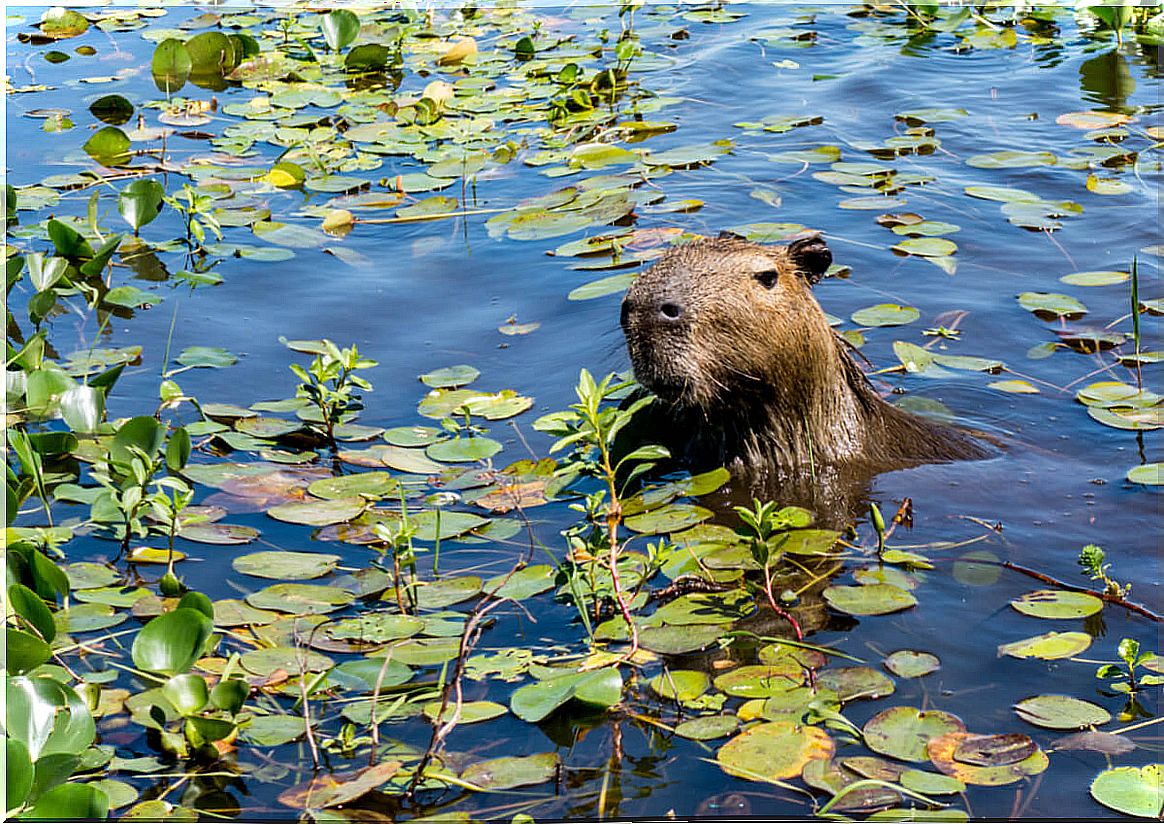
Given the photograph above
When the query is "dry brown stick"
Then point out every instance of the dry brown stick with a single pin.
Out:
(1104, 596)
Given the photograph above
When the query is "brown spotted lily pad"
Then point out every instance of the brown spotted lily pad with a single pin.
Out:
(944, 750)
(903, 732)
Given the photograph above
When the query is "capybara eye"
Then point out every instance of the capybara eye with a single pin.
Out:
(767, 279)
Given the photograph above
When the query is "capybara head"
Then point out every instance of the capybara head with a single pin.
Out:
(721, 319)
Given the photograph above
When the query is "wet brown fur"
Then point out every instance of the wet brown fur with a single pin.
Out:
(751, 374)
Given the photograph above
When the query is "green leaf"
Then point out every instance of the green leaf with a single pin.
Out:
(68, 241)
(512, 771)
(29, 606)
(340, 27)
(143, 432)
(112, 109)
(1061, 712)
(18, 773)
(885, 314)
(187, 692)
(178, 450)
(1049, 646)
(25, 652)
(1135, 791)
(870, 599)
(288, 566)
(1057, 604)
(140, 202)
(774, 750)
(47, 717)
(903, 732)
(1050, 303)
(1150, 474)
(70, 802)
(172, 642)
(109, 146)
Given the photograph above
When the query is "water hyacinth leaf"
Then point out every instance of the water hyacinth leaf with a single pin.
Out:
(172, 642)
(171, 65)
(112, 109)
(1151, 474)
(1061, 712)
(1052, 304)
(25, 651)
(680, 685)
(912, 664)
(1048, 646)
(885, 314)
(44, 272)
(774, 750)
(512, 771)
(187, 692)
(1135, 791)
(300, 599)
(707, 727)
(319, 512)
(1057, 604)
(211, 54)
(293, 566)
(903, 732)
(945, 752)
(463, 450)
(870, 599)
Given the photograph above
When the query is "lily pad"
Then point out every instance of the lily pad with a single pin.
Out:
(1049, 646)
(669, 518)
(300, 599)
(369, 484)
(292, 566)
(885, 314)
(471, 712)
(525, 583)
(1135, 791)
(903, 732)
(1052, 304)
(851, 683)
(707, 727)
(1150, 474)
(319, 512)
(869, 599)
(774, 750)
(927, 247)
(942, 752)
(450, 376)
(446, 591)
(464, 450)
(512, 771)
(1061, 712)
(909, 663)
(680, 685)
(1057, 604)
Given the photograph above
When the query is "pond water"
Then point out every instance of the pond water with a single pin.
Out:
(418, 296)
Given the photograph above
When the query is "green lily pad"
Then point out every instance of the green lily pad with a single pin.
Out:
(423, 652)
(1135, 791)
(1011, 159)
(219, 533)
(869, 599)
(1057, 604)
(87, 618)
(1049, 645)
(446, 591)
(1015, 386)
(471, 711)
(909, 663)
(375, 627)
(1095, 278)
(676, 640)
(292, 660)
(450, 376)
(271, 730)
(206, 356)
(927, 247)
(774, 750)
(452, 524)
(319, 512)
(463, 450)
(292, 566)
(885, 314)
(535, 701)
(1150, 474)
(669, 518)
(412, 436)
(903, 732)
(512, 771)
(680, 685)
(300, 599)
(851, 683)
(1061, 712)
(1050, 303)
(707, 727)
(525, 583)
(761, 680)
(369, 484)
(928, 783)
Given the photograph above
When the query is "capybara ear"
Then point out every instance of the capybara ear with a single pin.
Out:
(811, 255)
